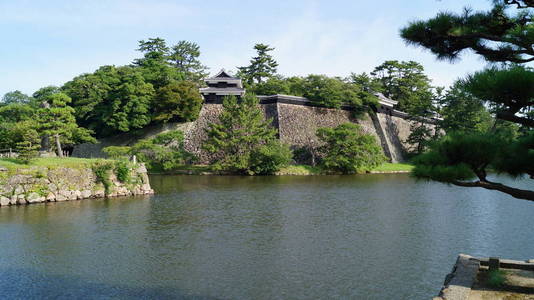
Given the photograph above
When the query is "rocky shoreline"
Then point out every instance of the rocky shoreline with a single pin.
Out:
(42, 184)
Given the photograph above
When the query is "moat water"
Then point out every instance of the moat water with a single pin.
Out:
(209, 237)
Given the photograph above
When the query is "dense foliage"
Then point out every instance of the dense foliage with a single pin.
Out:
(460, 158)
(270, 158)
(463, 112)
(498, 36)
(406, 83)
(163, 152)
(243, 141)
(261, 66)
(177, 101)
(348, 149)
(159, 87)
(56, 119)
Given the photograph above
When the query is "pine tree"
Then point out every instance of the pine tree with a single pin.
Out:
(497, 35)
(261, 67)
(27, 148)
(184, 57)
(57, 120)
(241, 129)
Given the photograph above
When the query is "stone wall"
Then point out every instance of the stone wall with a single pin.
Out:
(41, 184)
(296, 125)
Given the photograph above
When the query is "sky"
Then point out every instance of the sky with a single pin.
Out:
(48, 42)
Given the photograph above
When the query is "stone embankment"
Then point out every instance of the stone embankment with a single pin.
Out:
(295, 122)
(42, 184)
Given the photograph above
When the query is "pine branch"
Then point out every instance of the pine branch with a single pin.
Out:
(514, 192)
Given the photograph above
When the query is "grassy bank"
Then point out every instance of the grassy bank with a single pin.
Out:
(393, 168)
(48, 162)
(309, 170)
(289, 170)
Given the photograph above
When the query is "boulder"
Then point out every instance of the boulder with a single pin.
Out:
(21, 199)
(99, 193)
(60, 196)
(35, 198)
(51, 197)
(4, 201)
(86, 194)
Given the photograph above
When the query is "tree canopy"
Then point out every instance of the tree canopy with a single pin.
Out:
(177, 101)
(111, 100)
(237, 138)
(405, 82)
(184, 56)
(15, 97)
(261, 67)
(497, 35)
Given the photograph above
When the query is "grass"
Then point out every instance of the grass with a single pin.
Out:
(289, 170)
(394, 167)
(299, 170)
(49, 162)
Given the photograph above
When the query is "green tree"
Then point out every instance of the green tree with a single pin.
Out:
(334, 92)
(154, 64)
(178, 101)
(498, 36)
(270, 158)
(463, 160)
(111, 100)
(261, 67)
(404, 82)
(272, 86)
(15, 97)
(57, 120)
(184, 57)
(15, 119)
(365, 81)
(347, 149)
(461, 111)
(41, 94)
(29, 143)
(240, 130)
(508, 91)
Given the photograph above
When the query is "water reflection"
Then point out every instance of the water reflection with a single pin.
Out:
(211, 237)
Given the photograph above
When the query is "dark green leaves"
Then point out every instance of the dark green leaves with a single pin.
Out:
(348, 149)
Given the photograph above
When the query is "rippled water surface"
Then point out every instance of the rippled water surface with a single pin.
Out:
(204, 237)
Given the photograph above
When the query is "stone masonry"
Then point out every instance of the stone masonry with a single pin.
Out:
(296, 124)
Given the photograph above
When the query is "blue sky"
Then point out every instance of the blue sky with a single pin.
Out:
(50, 42)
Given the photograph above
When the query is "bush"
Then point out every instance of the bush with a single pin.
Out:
(163, 152)
(348, 149)
(101, 170)
(116, 152)
(122, 170)
(270, 158)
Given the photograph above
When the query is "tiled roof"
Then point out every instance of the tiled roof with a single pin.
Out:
(223, 75)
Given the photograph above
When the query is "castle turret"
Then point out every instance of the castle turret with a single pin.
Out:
(222, 85)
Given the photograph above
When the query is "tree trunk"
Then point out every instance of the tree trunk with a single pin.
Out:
(58, 145)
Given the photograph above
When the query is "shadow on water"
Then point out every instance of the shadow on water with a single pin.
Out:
(27, 284)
